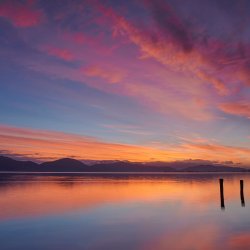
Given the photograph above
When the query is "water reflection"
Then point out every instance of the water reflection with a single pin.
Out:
(124, 211)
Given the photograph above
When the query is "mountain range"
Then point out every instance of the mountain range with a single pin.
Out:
(72, 165)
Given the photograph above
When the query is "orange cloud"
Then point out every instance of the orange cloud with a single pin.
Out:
(45, 145)
(217, 152)
(236, 108)
(219, 148)
(21, 14)
(218, 84)
(112, 76)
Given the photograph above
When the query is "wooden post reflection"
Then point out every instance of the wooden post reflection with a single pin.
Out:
(222, 204)
(242, 193)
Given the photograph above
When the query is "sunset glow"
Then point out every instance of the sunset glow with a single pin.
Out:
(125, 80)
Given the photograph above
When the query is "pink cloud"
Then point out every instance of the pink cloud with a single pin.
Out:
(21, 14)
(63, 54)
(241, 108)
(218, 84)
(111, 75)
(215, 62)
(164, 76)
(144, 81)
(164, 50)
(79, 38)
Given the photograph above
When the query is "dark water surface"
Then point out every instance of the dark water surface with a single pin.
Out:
(130, 211)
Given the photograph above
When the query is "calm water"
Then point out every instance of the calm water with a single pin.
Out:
(174, 211)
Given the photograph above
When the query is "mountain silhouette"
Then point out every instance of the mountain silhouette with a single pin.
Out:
(213, 168)
(8, 164)
(72, 165)
(65, 164)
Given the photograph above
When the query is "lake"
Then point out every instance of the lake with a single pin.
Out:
(124, 211)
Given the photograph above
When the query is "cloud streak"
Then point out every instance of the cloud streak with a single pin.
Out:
(186, 49)
(111, 75)
(60, 53)
(240, 108)
(161, 65)
(45, 145)
(20, 14)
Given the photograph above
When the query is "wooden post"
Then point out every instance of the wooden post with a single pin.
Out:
(222, 204)
(242, 193)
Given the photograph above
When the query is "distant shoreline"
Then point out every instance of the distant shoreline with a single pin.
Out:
(130, 173)
(70, 166)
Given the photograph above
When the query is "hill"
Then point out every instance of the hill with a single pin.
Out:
(8, 164)
(72, 165)
(213, 168)
(64, 165)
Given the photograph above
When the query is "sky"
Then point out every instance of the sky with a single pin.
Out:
(142, 80)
